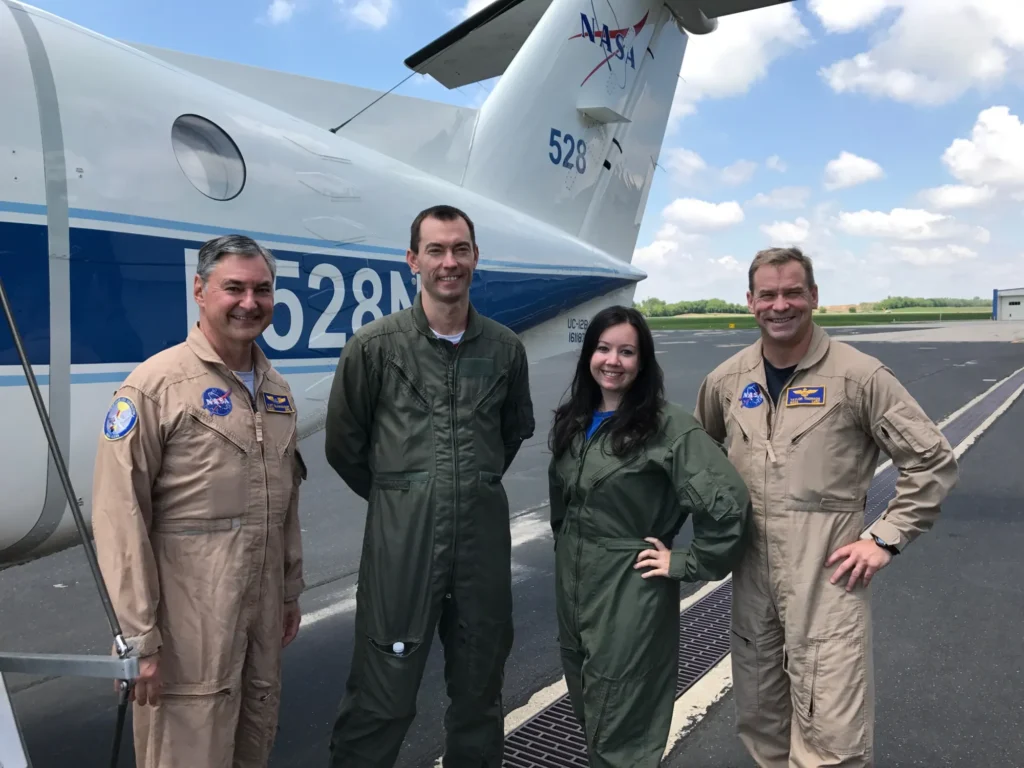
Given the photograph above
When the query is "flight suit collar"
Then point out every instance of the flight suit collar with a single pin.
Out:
(815, 353)
(202, 349)
(473, 326)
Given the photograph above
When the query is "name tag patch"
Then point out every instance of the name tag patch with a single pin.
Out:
(805, 396)
(277, 403)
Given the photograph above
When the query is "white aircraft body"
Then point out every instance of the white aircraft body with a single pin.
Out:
(120, 160)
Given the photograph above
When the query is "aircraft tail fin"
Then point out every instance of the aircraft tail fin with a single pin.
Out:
(572, 131)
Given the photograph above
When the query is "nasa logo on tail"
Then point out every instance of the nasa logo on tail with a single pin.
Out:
(612, 41)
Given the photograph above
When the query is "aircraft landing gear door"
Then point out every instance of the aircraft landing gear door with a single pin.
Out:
(12, 748)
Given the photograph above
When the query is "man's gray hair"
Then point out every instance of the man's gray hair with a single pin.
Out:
(219, 247)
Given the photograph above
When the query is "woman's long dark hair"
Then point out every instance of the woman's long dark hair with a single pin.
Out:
(636, 418)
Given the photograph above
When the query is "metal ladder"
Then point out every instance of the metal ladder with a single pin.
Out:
(123, 667)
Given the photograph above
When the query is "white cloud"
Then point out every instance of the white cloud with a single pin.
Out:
(372, 13)
(471, 7)
(932, 52)
(952, 196)
(684, 164)
(736, 55)
(280, 11)
(939, 256)
(899, 224)
(782, 197)
(689, 168)
(695, 214)
(848, 170)
(785, 233)
(660, 253)
(775, 163)
(844, 16)
(739, 172)
(993, 155)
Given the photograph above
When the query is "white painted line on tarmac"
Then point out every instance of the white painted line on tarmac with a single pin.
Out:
(346, 603)
(692, 706)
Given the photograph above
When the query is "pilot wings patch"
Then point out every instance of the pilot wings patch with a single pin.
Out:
(805, 396)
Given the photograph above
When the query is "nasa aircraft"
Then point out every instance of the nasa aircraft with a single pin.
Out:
(120, 160)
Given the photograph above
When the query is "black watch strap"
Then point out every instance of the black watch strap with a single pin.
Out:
(887, 547)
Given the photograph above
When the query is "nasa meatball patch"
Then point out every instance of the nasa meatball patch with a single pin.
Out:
(751, 396)
(121, 419)
(217, 402)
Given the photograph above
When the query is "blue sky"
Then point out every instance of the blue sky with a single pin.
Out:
(883, 136)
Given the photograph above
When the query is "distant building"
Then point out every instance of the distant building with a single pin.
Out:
(1006, 304)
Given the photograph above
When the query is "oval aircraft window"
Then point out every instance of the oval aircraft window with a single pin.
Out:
(208, 157)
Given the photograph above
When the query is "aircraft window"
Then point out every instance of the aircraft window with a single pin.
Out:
(208, 157)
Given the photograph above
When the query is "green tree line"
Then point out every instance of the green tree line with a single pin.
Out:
(654, 307)
(902, 302)
(657, 308)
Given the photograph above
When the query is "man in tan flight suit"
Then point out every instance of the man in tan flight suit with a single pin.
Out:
(804, 419)
(195, 514)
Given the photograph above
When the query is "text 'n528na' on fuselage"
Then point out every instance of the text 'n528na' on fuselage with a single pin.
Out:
(120, 160)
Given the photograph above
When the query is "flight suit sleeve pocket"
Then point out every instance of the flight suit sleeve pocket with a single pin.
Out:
(907, 439)
(399, 481)
(706, 488)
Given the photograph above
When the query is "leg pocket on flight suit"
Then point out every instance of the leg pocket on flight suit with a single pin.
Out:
(257, 723)
(629, 716)
(394, 587)
(830, 695)
(746, 672)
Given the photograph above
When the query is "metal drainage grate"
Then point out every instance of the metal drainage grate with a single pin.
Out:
(553, 738)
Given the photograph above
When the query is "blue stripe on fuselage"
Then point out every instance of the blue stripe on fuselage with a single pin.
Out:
(129, 298)
(111, 217)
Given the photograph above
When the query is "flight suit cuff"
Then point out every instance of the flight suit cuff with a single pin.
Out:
(678, 564)
(887, 532)
(145, 644)
(293, 589)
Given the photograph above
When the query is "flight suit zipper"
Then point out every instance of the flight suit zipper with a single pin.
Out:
(452, 361)
(257, 418)
(579, 528)
(773, 417)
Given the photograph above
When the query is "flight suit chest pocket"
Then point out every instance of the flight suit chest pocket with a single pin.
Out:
(402, 386)
(208, 465)
(481, 382)
(824, 452)
(741, 432)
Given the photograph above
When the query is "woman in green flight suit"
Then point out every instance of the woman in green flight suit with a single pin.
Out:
(627, 470)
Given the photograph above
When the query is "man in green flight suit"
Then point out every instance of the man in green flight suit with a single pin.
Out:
(428, 409)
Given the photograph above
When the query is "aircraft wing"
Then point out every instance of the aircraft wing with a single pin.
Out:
(715, 9)
(483, 46)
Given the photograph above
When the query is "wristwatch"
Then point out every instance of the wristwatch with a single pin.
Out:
(887, 547)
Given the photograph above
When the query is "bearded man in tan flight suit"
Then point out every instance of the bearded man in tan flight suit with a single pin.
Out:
(195, 514)
(804, 419)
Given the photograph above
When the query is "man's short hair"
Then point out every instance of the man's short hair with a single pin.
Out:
(219, 247)
(443, 213)
(776, 257)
